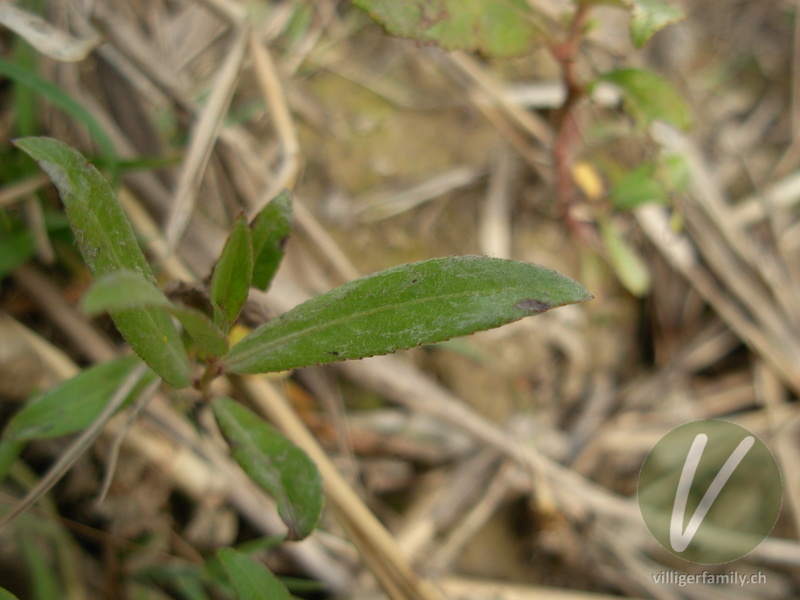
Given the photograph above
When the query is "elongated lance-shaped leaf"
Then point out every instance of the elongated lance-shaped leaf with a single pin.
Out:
(251, 580)
(75, 404)
(107, 243)
(274, 463)
(232, 275)
(402, 307)
(271, 229)
(124, 290)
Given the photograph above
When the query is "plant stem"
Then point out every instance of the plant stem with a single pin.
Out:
(566, 53)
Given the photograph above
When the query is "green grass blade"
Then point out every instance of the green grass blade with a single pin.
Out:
(66, 103)
(402, 307)
(107, 243)
(275, 464)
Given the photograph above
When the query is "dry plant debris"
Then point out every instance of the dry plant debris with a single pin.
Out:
(502, 465)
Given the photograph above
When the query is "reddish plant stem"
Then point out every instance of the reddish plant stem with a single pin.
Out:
(566, 53)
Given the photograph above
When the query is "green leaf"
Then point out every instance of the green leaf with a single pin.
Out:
(201, 329)
(6, 595)
(232, 274)
(270, 229)
(275, 464)
(492, 28)
(107, 243)
(15, 250)
(251, 580)
(637, 188)
(124, 290)
(648, 17)
(673, 171)
(648, 97)
(630, 268)
(121, 290)
(402, 307)
(75, 404)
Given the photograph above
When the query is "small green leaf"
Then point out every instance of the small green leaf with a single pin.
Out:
(275, 464)
(6, 595)
(201, 329)
(9, 453)
(648, 17)
(270, 229)
(637, 188)
(492, 28)
(232, 275)
(121, 290)
(75, 404)
(630, 268)
(674, 171)
(124, 290)
(251, 580)
(107, 243)
(648, 97)
(15, 250)
(402, 307)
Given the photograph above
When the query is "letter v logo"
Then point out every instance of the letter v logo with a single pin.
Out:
(678, 539)
(710, 491)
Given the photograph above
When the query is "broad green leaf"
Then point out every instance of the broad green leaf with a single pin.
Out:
(630, 268)
(251, 580)
(648, 17)
(490, 27)
(123, 290)
(275, 464)
(232, 275)
(270, 232)
(75, 404)
(648, 97)
(402, 307)
(107, 243)
(637, 188)
(6, 595)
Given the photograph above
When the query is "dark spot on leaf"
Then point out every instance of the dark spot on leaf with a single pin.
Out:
(282, 242)
(533, 306)
(332, 353)
(414, 280)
